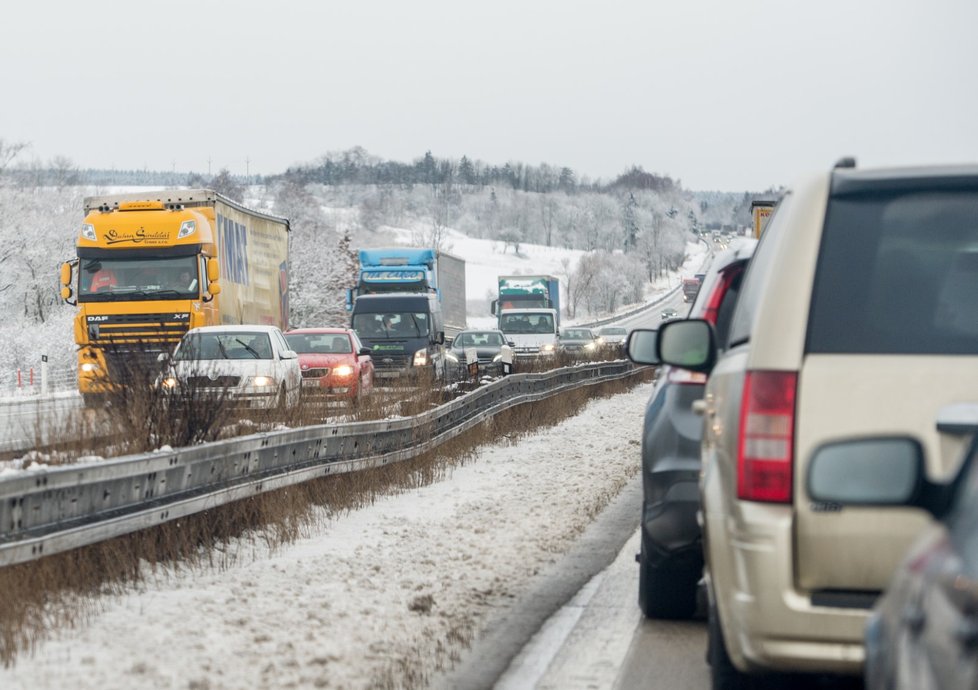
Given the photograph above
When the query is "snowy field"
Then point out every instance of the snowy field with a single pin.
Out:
(379, 597)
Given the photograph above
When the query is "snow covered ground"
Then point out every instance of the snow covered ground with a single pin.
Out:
(384, 596)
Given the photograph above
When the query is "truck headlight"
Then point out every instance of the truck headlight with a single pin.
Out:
(421, 358)
(89, 367)
(549, 347)
(343, 370)
(262, 381)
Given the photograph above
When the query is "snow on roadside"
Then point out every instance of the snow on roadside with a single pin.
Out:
(381, 596)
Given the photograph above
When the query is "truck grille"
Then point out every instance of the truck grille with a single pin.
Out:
(132, 343)
(120, 329)
(390, 361)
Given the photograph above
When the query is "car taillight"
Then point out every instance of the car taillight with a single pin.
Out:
(685, 376)
(720, 287)
(766, 440)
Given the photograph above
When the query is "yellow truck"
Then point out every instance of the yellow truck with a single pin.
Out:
(760, 211)
(152, 265)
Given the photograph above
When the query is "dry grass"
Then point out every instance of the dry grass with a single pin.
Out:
(63, 589)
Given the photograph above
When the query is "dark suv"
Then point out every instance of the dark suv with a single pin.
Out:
(671, 559)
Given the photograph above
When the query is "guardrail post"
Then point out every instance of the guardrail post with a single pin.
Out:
(44, 374)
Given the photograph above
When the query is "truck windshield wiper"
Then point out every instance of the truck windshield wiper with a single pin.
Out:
(155, 293)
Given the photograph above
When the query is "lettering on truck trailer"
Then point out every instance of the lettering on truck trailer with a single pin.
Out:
(234, 248)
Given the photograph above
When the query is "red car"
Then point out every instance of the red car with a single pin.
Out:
(333, 362)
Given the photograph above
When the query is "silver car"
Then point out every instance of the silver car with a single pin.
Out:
(244, 366)
(857, 319)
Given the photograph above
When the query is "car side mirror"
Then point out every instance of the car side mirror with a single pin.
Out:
(876, 472)
(365, 351)
(288, 354)
(688, 344)
(641, 346)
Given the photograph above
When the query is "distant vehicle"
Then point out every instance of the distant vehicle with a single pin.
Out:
(488, 346)
(922, 632)
(246, 366)
(671, 556)
(691, 286)
(760, 211)
(612, 337)
(528, 312)
(668, 314)
(579, 341)
(863, 281)
(333, 362)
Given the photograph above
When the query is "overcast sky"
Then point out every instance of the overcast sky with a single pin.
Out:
(718, 93)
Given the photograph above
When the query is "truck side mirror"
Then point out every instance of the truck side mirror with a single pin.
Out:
(440, 337)
(66, 291)
(213, 270)
(214, 288)
(493, 307)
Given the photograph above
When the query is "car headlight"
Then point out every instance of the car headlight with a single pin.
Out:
(169, 382)
(343, 370)
(89, 367)
(421, 358)
(590, 346)
(261, 381)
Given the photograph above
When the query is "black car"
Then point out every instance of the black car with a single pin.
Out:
(671, 557)
(923, 633)
(579, 342)
(488, 345)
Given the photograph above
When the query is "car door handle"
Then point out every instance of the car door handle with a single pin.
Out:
(699, 407)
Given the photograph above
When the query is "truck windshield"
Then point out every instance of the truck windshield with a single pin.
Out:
(107, 280)
(527, 323)
(391, 325)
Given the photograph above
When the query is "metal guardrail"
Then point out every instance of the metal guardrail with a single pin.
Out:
(62, 508)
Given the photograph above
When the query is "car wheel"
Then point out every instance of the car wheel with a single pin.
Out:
(723, 674)
(666, 591)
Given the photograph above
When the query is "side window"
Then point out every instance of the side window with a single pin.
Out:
(280, 341)
(752, 289)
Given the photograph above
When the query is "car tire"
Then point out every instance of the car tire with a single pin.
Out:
(723, 674)
(666, 591)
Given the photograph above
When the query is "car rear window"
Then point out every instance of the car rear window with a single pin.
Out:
(898, 274)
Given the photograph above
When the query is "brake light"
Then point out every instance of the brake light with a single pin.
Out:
(766, 439)
(685, 376)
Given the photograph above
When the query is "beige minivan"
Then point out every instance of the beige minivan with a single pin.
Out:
(857, 321)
